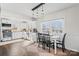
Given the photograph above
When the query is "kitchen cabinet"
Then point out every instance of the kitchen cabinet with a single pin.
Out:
(17, 35)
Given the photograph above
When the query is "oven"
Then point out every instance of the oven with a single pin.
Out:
(7, 33)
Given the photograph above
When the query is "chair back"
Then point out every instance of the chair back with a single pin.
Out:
(40, 37)
(63, 41)
(46, 38)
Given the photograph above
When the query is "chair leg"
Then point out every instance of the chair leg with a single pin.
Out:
(39, 44)
(53, 47)
(49, 48)
(43, 45)
(63, 48)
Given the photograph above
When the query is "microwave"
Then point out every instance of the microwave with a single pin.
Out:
(6, 25)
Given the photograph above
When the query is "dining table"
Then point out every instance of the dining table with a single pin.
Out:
(54, 38)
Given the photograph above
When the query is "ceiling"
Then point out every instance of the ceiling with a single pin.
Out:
(25, 8)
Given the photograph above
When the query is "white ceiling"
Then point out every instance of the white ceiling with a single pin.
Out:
(25, 8)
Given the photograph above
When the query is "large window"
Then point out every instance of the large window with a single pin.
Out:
(55, 26)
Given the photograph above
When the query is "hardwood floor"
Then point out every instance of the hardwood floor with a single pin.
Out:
(22, 49)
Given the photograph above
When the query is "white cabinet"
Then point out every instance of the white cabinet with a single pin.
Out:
(33, 36)
(5, 20)
(7, 39)
(16, 35)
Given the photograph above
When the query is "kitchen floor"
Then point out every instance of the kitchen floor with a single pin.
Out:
(23, 49)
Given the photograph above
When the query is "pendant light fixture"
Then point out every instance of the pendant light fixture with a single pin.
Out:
(37, 11)
(42, 11)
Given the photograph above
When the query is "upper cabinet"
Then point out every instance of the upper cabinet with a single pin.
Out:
(6, 20)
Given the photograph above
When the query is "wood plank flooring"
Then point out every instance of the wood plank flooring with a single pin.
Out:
(22, 49)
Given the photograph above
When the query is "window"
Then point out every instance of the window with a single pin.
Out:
(55, 26)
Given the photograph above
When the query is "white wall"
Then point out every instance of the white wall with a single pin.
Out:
(0, 22)
(71, 19)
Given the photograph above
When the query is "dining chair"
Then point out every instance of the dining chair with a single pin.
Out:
(47, 42)
(40, 39)
(61, 42)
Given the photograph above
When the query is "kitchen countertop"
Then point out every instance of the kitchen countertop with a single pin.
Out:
(9, 42)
